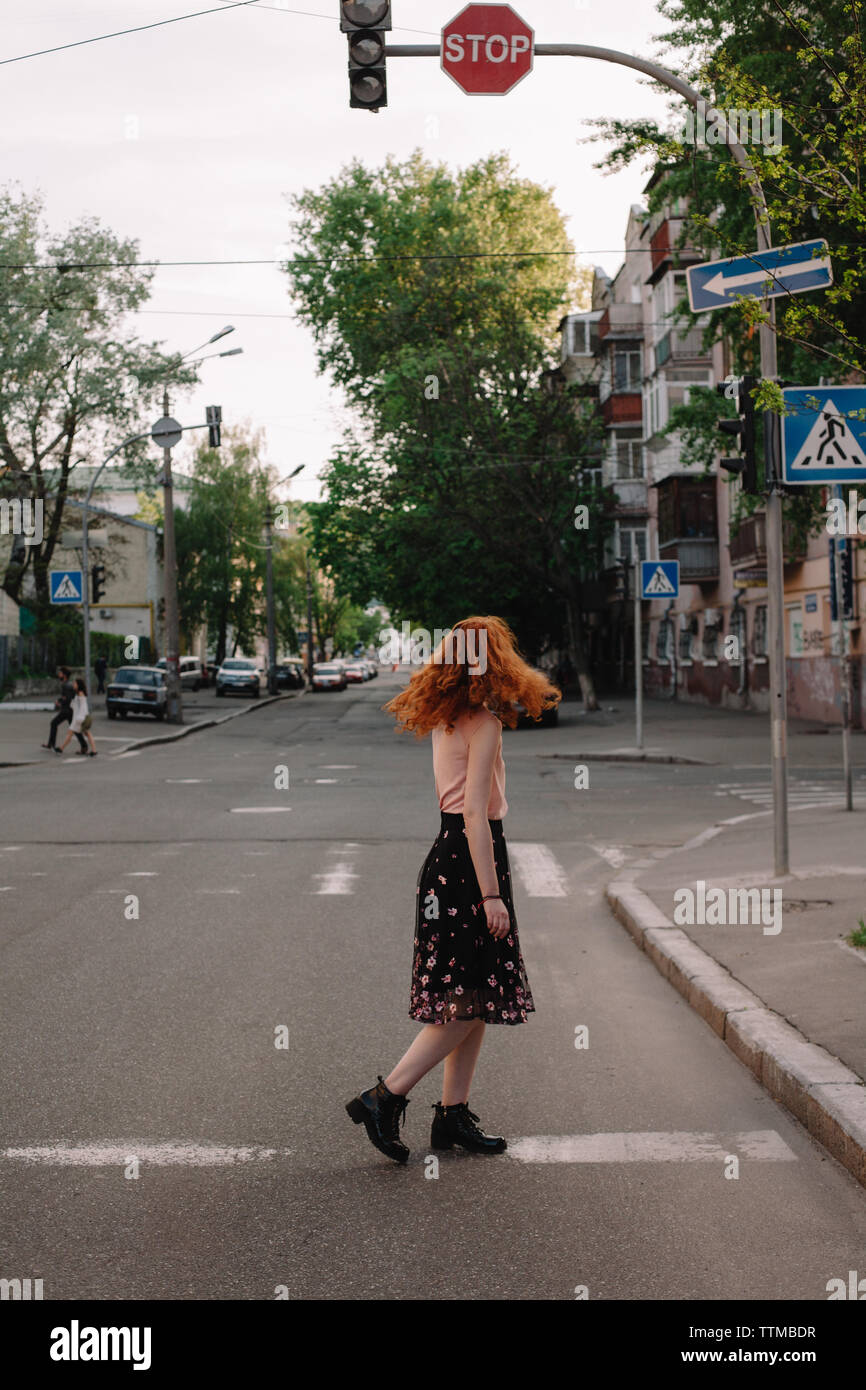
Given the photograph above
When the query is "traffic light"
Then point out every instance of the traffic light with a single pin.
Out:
(97, 574)
(365, 23)
(213, 416)
(743, 428)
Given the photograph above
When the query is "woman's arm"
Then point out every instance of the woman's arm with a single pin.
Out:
(483, 748)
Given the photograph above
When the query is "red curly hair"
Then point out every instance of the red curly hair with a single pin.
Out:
(444, 687)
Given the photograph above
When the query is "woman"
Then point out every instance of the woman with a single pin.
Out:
(467, 971)
(80, 721)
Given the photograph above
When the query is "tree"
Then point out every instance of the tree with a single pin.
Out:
(220, 547)
(74, 380)
(807, 70)
(434, 300)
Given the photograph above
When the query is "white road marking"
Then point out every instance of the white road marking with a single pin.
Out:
(762, 1145)
(219, 890)
(160, 1155)
(539, 871)
(338, 880)
(8, 888)
(325, 781)
(142, 873)
(76, 854)
(134, 753)
(337, 767)
(10, 849)
(187, 781)
(258, 810)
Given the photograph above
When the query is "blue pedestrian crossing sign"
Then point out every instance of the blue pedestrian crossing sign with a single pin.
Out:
(823, 440)
(66, 586)
(794, 269)
(659, 578)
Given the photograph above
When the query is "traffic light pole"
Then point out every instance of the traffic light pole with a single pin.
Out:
(269, 589)
(769, 372)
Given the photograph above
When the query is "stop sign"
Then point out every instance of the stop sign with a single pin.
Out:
(487, 49)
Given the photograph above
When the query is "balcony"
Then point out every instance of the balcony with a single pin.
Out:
(662, 252)
(688, 527)
(621, 321)
(681, 347)
(748, 548)
(698, 557)
(623, 408)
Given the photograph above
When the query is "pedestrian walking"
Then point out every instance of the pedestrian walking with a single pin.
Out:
(63, 705)
(467, 968)
(100, 667)
(80, 722)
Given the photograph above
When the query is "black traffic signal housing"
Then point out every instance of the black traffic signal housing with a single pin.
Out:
(213, 416)
(97, 575)
(743, 429)
(365, 23)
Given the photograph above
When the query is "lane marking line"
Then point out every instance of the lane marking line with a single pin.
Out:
(762, 1145)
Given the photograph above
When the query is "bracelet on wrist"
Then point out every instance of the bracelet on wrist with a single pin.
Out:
(494, 896)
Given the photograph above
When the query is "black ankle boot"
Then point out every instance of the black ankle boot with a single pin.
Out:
(381, 1112)
(456, 1124)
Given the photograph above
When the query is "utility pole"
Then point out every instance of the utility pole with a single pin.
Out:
(309, 622)
(638, 646)
(272, 635)
(844, 665)
(174, 711)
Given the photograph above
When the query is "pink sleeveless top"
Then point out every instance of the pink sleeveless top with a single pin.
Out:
(450, 759)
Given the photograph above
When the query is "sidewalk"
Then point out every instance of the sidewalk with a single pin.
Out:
(674, 729)
(790, 1003)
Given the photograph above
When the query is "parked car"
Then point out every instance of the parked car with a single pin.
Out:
(238, 675)
(290, 674)
(357, 672)
(139, 689)
(191, 673)
(329, 675)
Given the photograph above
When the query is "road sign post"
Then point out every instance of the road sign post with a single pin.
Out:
(823, 441)
(652, 579)
(780, 270)
(67, 586)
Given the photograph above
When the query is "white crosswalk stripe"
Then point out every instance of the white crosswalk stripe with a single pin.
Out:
(800, 792)
(538, 870)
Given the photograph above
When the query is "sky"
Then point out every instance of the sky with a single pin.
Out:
(191, 137)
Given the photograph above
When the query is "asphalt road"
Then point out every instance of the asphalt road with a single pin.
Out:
(145, 1044)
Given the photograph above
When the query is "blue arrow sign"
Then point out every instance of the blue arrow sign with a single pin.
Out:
(781, 270)
(65, 586)
(659, 578)
(822, 439)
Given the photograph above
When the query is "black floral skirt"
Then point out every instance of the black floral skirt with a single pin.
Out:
(459, 971)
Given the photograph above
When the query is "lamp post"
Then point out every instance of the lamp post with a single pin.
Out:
(272, 635)
(174, 700)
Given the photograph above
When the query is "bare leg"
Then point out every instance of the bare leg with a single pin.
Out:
(433, 1043)
(460, 1066)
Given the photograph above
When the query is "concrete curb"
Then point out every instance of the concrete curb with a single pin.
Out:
(820, 1091)
(204, 724)
(629, 756)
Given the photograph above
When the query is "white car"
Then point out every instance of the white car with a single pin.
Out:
(191, 674)
(238, 675)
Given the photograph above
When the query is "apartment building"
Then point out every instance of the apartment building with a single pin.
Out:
(710, 643)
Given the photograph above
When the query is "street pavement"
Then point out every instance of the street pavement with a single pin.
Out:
(169, 922)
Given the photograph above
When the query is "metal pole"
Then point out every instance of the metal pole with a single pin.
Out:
(309, 622)
(174, 710)
(638, 647)
(272, 635)
(842, 642)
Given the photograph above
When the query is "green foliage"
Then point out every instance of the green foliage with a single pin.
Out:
(74, 379)
(457, 492)
(808, 65)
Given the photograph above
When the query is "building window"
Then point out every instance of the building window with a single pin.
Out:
(664, 641)
(627, 458)
(759, 631)
(712, 632)
(625, 543)
(626, 370)
(688, 633)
